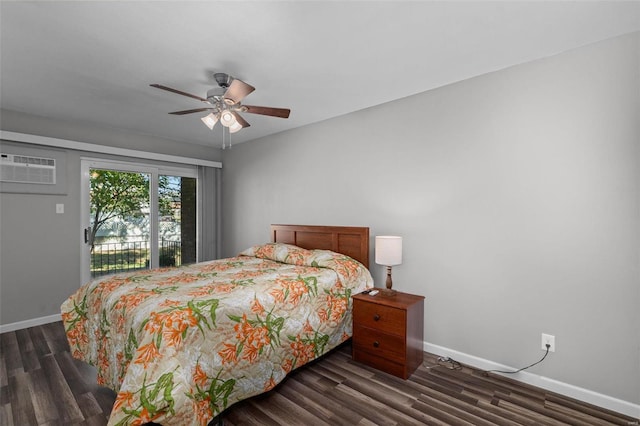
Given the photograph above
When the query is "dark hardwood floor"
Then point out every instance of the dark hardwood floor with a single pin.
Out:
(41, 384)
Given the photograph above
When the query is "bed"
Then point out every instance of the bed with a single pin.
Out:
(180, 345)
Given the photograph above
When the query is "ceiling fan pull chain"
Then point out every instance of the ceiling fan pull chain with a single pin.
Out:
(224, 132)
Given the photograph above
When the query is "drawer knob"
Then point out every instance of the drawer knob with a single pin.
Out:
(376, 317)
(376, 344)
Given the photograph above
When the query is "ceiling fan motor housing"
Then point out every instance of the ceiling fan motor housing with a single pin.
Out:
(215, 95)
(224, 80)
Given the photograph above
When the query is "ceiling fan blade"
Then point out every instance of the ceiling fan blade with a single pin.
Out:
(273, 112)
(191, 111)
(237, 91)
(179, 92)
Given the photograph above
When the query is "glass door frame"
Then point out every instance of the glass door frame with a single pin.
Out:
(86, 164)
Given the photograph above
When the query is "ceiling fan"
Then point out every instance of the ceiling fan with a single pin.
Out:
(224, 103)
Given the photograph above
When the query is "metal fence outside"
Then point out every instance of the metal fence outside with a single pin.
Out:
(109, 258)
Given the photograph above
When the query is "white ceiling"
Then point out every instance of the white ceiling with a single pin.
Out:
(93, 62)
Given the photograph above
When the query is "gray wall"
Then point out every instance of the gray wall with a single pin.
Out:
(516, 192)
(21, 122)
(39, 249)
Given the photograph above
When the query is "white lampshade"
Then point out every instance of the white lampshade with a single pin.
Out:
(235, 127)
(227, 119)
(388, 250)
(210, 120)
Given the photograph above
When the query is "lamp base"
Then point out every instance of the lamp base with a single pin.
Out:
(388, 292)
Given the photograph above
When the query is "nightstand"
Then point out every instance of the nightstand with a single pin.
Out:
(388, 331)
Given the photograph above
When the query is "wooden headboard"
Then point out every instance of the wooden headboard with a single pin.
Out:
(350, 240)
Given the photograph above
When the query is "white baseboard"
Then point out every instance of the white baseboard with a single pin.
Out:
(581, 394)
(4, 328)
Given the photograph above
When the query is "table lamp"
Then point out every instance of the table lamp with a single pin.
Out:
(388, 253)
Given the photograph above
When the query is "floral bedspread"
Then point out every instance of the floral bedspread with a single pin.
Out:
(179, 345)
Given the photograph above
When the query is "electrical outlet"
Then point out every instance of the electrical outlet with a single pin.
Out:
(550, 340)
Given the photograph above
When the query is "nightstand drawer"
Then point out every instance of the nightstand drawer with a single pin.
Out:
(385, 345)
(380, 363)
(383, 318)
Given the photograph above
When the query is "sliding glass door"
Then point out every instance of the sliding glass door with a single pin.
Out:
(177, 220)
(119, 221)
(137, 217)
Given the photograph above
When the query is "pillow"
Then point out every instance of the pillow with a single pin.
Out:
(284, 253)
(345, 266)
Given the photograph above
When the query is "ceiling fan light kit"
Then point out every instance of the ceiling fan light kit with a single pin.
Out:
(225, 105)
(210, 120)
(234, 128)
(227, 119)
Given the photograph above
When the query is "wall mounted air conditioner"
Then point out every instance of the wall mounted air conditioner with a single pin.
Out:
(26, 169)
